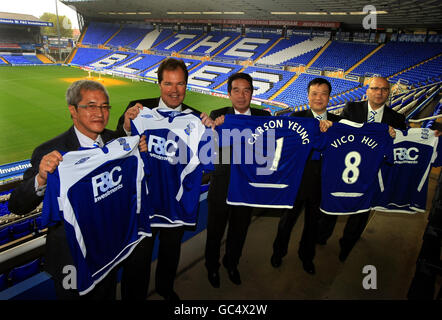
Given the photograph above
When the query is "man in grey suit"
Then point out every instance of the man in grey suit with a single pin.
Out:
(240, 89)
(309, 194)
(373, 110)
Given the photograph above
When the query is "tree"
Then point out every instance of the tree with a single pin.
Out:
(65, 25)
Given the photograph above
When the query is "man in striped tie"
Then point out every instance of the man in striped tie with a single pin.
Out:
(372, 110)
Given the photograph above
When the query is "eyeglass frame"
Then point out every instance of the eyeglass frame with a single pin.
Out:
(93, 107)
(383, 89)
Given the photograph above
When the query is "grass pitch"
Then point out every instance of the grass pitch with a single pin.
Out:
(33, 105)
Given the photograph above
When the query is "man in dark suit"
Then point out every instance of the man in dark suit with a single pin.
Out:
(309, 194)
(240, 89)
(88, 103)
(172, 80)
(373, 110)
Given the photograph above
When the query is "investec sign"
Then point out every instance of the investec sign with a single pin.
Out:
(14, 169)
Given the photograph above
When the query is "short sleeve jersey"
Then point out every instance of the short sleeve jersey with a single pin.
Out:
(268, 157)
(100, 195)
(351, 160)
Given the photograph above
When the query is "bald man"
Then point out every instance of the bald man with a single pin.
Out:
(372, 110)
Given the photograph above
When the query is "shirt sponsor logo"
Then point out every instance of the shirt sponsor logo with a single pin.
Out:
(106, 183)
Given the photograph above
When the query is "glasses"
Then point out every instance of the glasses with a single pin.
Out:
(384, 90)
(94, 107)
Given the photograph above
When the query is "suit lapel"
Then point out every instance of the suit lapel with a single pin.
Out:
(72, 142)
(386, 117)
(365, 112)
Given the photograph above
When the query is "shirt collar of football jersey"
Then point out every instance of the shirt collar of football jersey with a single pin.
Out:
(379, 112)
(87, 142)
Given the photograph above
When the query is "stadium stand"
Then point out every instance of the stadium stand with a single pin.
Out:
(99, 33)
(247, 48)
(211, 43)
(425, 73)
(295, 95)
(179, 41)
(129, 35)
(343, 55)
(266, 81)
(140, 65)
(18, 58)
(397, 56)
(300, 51)
(212, 74)
(160, 37)
(85, 56)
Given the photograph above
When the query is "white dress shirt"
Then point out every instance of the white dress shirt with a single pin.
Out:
(247, 113)
(379, 113)
(85, 142)
(322, 115)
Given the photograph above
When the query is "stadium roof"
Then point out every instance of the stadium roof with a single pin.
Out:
(390, 14)
(18, 16)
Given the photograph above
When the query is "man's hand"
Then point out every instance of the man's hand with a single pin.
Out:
(206, 120)
(324, 125)
(142, 145)
(48, 163)
(392, 132)
(437, 133)
(219, 121)
(131, 114)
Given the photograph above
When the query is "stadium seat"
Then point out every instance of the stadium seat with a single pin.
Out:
(5, 235)
(21, 229)
(3, 282)
(38, 225)
(24, 272)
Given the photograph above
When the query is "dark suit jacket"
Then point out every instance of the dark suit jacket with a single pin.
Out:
(358, 112)
(149, 103)
(310, 187)
(219, 181)
(24, 199)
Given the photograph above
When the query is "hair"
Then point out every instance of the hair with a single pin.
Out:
(239, 75)
(319, 81)
(379, 77)
(172, 64)
(74, 95)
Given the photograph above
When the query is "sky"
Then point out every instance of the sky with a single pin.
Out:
(38, 7)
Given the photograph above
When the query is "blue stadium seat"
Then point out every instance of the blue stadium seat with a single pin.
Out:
(3, 282)
(38, 224)
(24, 272)
(5, 235)
(21, 229)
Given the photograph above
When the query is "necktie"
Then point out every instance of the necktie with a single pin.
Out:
(97, 144)
(372, 115)
(319, 117)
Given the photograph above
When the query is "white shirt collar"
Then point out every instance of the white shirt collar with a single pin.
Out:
(379, 112)
(247, 113)
(323, 115)
(85, 141)
(162, 105)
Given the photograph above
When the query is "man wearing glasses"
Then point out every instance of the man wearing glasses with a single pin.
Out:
(372, 110)
(88, 103)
